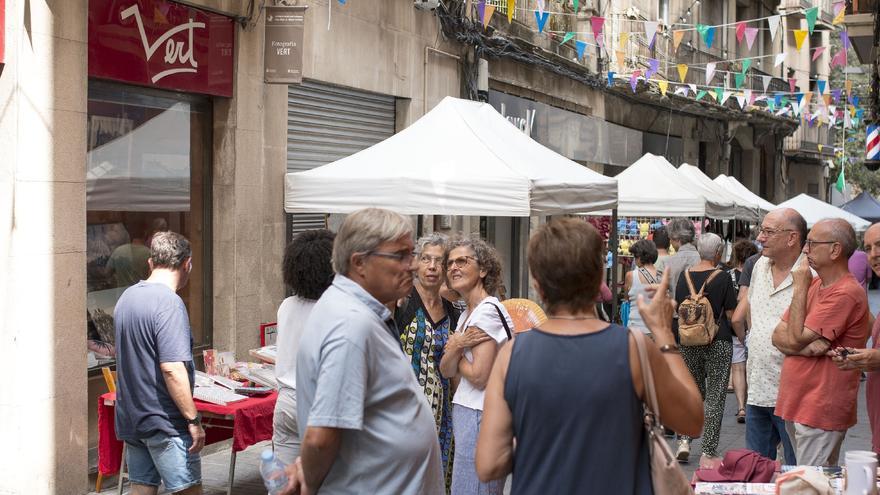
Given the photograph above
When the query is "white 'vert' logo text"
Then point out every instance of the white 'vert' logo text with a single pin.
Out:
(174, 50)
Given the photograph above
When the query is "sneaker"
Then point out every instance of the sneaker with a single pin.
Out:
(684, 450)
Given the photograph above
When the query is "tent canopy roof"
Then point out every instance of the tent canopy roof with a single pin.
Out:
(715, 193)
(652, 187)
(736, 187)
(814, 210)
(461, 158)
(865, 206)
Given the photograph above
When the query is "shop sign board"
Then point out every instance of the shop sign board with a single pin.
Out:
(285, 27)
(161, 44)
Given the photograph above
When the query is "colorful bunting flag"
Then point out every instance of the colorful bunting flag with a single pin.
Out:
(708, 34)
(820, 85)
(621, 59)
(750, 96)
(511, 8)
(710, 72)
(773, 24)
(751, 33)
(739, 79)
(780, 57)
(540, 6)
(746, 64)
(848, 85)
(682, 90)
(651, 32)
(724, 95)
(740, 31)
(835, 94)
(839, 12)
(682, 71)
(701, 94)
(653, 67)
(844, 39)
(677, 35)
(663, 85)
(766, 80)
(487, 15)
(597, 23)
(581, 46)
(610, 78)
(693, 88)
(792, 84)
(799, 36)
(541, 19)
(634, 79)
(624, 39)
(565, 39)
(481, 11)
(811, 14)
(742, 101)
(817, 52)
(839, 58)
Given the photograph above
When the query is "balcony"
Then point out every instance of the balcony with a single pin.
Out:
(826, 10)
(859, 23)
(806, 140)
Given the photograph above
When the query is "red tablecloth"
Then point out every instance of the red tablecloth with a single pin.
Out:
(251, 423)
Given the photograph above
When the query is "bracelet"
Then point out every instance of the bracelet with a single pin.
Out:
(670, 348)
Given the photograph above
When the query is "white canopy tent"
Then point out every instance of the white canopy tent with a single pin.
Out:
(652, 187)
(742, 209)
(735, 187)
(461, 158)
(814, 210)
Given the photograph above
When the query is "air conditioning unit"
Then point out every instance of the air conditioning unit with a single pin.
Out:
(426, 4)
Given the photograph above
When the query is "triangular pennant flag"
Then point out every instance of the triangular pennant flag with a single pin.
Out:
(844, 40)
(701, 94)
(663, 85)
(708, 34)
(742, 101)
(634, 80)
(796, 108)
(677, 35)
(740, 31)
(817, 52)
(792, 84)
(540, 6)
(481, 11)
(576, 6)
(751, 33)
(835, 94)
(651, 32)
(621, 58)
(624, 39)
(511, 8)
(848, 86)
(739, 78)
(611, 78)
(799, 36)
(682, 71)
(841, 181)
(568, 36)
(820, 147)
(827, 100)
(766, 81)
(771, 105)
(693, 88)
(777, 98)
(784, 100)
(839, 12)
(710, 72)
(541, 19)
(799, 97)
(581, 46)
(811, 14)
(746, 64)
(487, 16)
(839, 58)
(750, 96)
(681, 90)
(780, 57)
(820, 85)
(653, 67)
(724, 95)
(597, 23)
(773, 24)
(855, 100)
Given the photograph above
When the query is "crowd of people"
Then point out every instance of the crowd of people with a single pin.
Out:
(400, 372)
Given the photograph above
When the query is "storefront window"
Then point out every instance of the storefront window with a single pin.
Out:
(149, 154)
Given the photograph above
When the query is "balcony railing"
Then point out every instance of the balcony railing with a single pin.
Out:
(807, 139)
(826, 10)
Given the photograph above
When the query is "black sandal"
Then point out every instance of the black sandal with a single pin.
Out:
(741, 416)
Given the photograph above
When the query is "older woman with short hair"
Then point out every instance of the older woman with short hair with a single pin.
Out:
(569, 394)
(473, 269)
(709, 364)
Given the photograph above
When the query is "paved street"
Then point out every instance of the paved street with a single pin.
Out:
(215, 464)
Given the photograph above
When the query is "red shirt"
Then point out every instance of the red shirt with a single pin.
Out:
(872, 393)
(813, 391)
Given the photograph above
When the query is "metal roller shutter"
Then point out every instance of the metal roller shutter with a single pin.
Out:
(326, 123)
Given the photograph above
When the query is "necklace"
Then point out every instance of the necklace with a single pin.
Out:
(573, 318)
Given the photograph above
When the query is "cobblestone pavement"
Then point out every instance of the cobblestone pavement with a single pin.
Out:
(215, 462)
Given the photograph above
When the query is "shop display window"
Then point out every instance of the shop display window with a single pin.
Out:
(148, 170)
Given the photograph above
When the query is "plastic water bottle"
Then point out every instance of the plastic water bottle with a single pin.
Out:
(273, 473)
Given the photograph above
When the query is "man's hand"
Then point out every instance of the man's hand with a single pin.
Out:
(295, 480)
(801, 274)
(658, 314)
(816, 348)
(855, 359)
(198, 437)
(469, 338)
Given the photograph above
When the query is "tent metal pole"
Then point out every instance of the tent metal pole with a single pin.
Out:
(612, 244)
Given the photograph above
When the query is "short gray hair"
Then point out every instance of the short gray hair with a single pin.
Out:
(682, 230)
(433, 239)
(364, 230)
(709, 246)
(169, 250)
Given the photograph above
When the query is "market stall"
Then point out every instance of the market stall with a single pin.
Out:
(735, 187)
(744, 209)
(864, 206)
(814, 210)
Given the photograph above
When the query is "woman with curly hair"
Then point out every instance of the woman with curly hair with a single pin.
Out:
(307, 273)
(474, 271)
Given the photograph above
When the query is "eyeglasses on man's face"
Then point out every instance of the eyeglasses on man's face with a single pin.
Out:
(768, 232)
(403, 257)
(810, 242)
(428, 260)
(459, 262)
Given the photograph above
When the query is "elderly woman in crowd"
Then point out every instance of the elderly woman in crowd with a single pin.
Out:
(474, 271)
(637, 281)
(682, 235)
(544, 394)
(307, 272)
(424, 321)
(709, 364)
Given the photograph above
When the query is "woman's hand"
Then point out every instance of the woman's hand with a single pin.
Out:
(855, 359)
(471, 337)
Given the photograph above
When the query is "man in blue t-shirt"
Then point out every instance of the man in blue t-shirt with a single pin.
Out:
(155, 412)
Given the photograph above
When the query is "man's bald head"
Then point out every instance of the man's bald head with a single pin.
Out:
(838, 230)
(793, 220)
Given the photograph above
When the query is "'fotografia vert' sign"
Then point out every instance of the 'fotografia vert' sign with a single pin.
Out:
(285, 27)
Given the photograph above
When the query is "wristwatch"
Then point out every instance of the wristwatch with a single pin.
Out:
(195, 421)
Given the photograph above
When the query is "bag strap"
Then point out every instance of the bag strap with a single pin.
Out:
(648, 278)
(503, 320)
(650, 393)
(711, 277)
(690, 283)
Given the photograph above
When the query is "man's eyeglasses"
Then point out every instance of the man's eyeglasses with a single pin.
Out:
(428, 260)
(404, 257)
(810, 243)
(771, 232)
(459, 262)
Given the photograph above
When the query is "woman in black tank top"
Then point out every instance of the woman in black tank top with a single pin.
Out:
(569, 392)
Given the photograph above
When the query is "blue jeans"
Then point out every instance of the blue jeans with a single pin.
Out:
(163, 458)
(764, 431)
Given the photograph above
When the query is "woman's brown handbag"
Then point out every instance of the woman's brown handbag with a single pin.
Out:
(667, 477)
